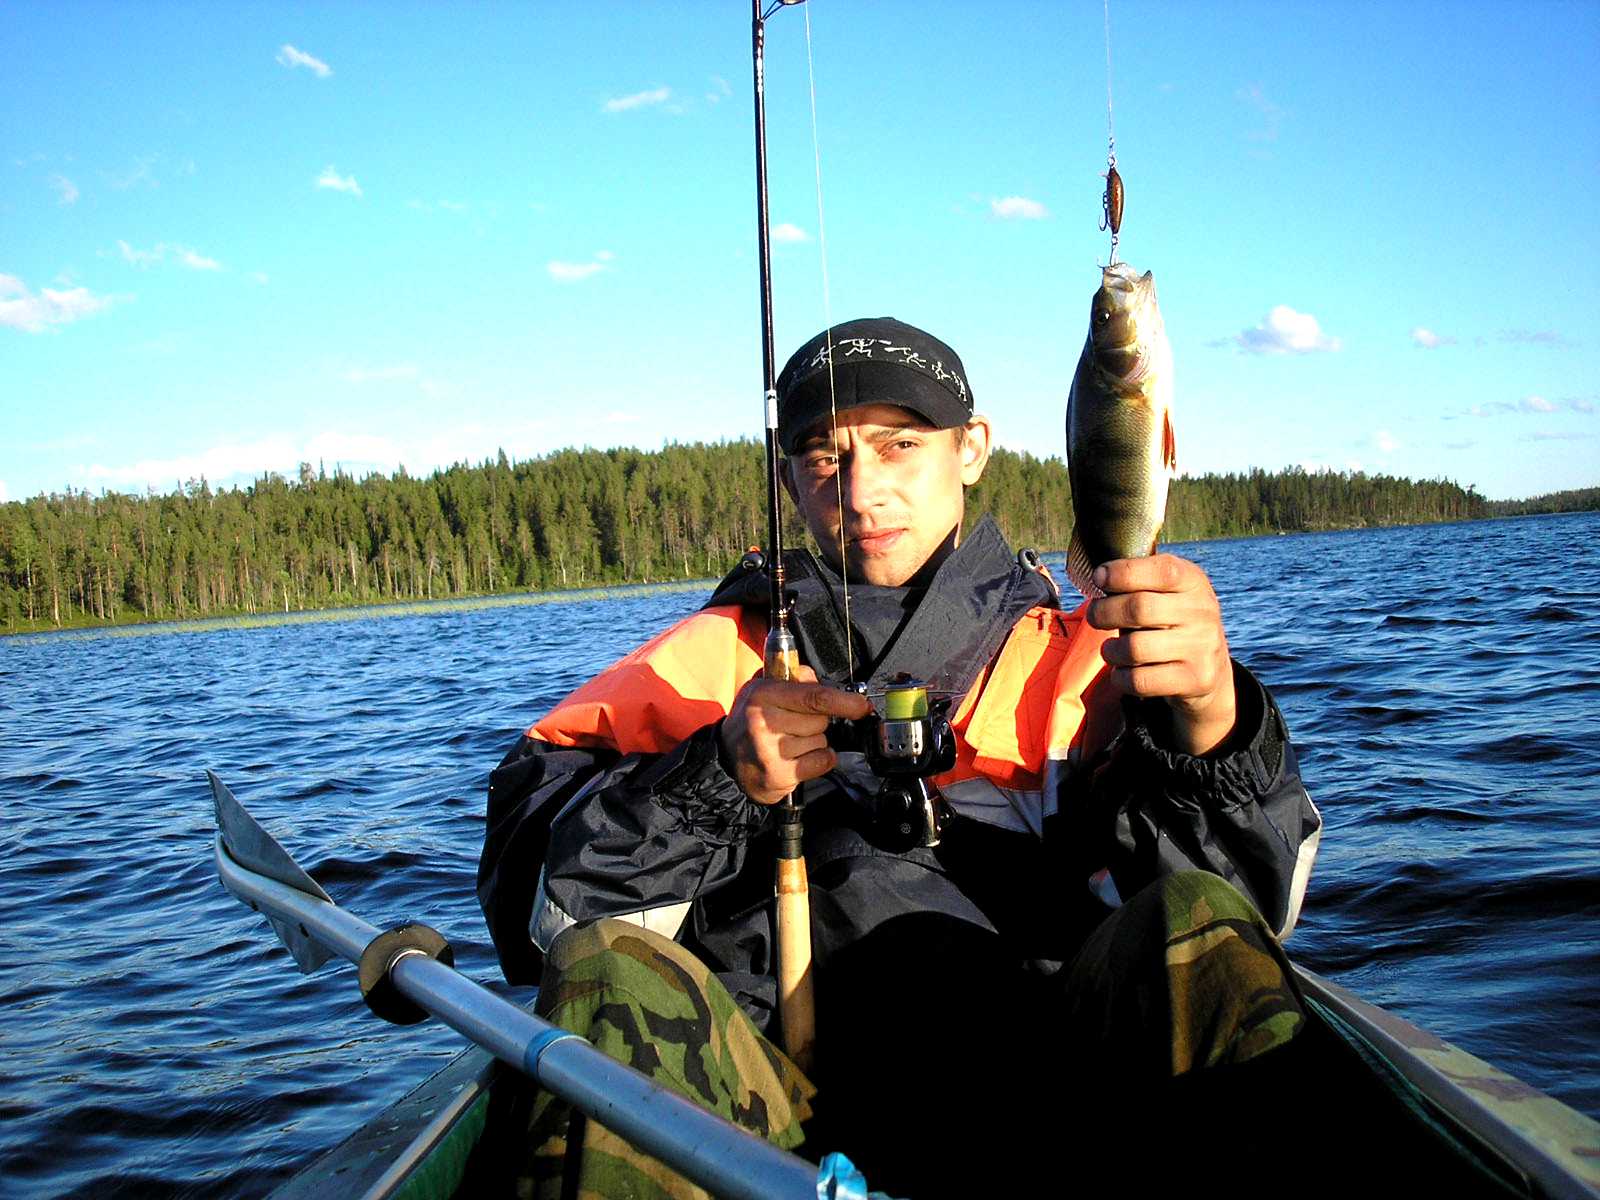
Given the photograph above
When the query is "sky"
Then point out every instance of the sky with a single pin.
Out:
(238, 237)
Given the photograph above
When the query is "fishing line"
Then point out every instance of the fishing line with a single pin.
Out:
(1113, 195)
(827, 316)
(1111, 131)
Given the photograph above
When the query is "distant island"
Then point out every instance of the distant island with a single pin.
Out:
(571, 519)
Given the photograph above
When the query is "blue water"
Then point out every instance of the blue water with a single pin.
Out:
(1442, 685)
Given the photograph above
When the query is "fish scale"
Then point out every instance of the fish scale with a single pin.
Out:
(1120, 447)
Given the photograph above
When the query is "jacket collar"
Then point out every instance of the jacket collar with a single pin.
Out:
(978, 593)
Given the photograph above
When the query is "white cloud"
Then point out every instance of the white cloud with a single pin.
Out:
(1532, 404)
(332, 180)
(21, 309)
(789, 233)
(571, 272)
(196, 261)
(139, 173)
(1384, 441)
(185, 255)
(216, 463)
(637, 100)
(380, 374)
(720, 90)
(565, 272)
(352, 449)
(292, 58)
(1429, 340)
(1017, 208)
(259, 277)
(452, 206)
(356, 452)
(1271, 114)
(1534, 337)
(276, 452)
(139, 258)
(66, 188)
(1285, 331)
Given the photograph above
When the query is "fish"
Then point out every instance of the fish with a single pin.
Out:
(1121, 453)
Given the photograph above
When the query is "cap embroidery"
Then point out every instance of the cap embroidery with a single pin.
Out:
(870, 347)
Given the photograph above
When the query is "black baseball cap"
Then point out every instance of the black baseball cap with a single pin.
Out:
(875, 360)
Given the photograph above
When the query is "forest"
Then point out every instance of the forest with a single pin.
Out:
(574, 518)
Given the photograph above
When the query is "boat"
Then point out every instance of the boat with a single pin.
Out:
(1429, 1110)
(1495, 1134)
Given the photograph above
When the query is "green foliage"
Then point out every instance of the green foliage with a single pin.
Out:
(1296, 501)
(575, 518)
(1575, 500)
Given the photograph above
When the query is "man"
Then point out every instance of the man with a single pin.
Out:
(1102, 754)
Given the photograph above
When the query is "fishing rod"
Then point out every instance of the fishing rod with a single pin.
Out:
(781, 655)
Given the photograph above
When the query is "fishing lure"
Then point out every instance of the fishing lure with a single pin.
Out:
(1112, 202)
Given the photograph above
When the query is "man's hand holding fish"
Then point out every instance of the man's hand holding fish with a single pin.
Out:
(1171, 645)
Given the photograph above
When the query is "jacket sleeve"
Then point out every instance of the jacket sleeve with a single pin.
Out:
(1241, 813)
(577, 833)
(615, 803)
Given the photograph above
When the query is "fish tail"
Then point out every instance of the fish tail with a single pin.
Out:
(1079, 569)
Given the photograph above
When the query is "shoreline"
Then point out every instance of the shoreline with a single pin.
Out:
(140, 627)
(95, 628)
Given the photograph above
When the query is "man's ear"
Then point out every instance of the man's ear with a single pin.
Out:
(975, 449)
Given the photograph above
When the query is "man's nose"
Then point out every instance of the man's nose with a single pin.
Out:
(863, 483)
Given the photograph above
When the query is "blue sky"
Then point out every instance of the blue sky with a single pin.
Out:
(235, 237)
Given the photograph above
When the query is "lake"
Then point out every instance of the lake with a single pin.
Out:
(1442, 685)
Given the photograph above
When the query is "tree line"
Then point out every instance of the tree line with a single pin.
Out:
(574, 518)
(1574, 500)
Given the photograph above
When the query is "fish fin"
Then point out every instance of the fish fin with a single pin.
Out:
(1079, 568)
(1169, 443)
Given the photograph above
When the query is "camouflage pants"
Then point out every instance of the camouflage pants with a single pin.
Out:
(648, 1002)
(1185, 975)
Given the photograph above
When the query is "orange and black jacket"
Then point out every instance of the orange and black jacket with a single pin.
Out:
(616, 803)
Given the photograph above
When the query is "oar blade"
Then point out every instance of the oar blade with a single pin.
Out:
(253, 848)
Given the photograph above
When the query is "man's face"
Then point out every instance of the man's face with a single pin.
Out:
(888, 487)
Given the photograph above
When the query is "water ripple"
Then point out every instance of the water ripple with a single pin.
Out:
(154, 1040)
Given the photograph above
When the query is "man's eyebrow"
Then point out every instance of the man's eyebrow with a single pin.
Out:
(891, 432)
(822, 439)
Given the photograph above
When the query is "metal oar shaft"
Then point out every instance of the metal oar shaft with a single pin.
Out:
(718, 1156)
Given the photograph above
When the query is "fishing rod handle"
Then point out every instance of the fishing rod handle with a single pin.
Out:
(780, 657)
(797, 1000)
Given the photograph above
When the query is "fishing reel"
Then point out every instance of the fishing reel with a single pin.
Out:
(905, 747)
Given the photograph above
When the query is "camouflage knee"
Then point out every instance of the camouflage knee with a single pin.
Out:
(649, 1003)
(1231, 992)
(1186, 974)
